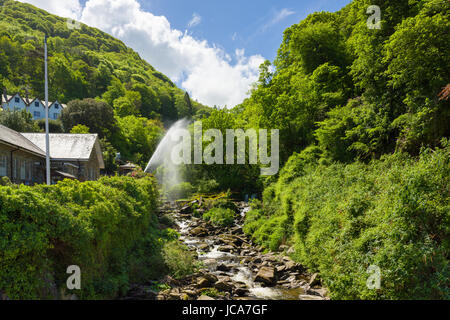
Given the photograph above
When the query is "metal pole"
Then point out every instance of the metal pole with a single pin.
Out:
(47, 138)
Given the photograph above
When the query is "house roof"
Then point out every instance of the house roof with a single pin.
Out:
(15, 139)
(8, 98)
(69, 147)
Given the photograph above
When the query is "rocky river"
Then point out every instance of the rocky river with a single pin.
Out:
(232, 267)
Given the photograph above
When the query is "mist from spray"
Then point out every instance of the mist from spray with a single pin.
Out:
(161, 164)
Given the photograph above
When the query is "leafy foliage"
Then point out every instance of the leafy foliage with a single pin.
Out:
(220, 216)
(179, 259)
(83, 63)
(18, 121)
(393, 213)
(108, 228)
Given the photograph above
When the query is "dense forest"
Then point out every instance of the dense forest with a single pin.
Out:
(133, 99)
(341, 92)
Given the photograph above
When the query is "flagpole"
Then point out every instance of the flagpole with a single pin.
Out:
(47, 138)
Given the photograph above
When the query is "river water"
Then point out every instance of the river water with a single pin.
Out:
(209, 253)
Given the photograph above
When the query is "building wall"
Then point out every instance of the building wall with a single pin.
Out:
(82, 170)
(37, 111)
(24, 168)
(55, 111)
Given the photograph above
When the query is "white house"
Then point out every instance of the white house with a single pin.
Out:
(35, 106)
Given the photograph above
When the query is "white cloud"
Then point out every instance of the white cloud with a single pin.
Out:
(280, 15)
(277, 17)
(207, 72)
(196, 20)
(67, 8)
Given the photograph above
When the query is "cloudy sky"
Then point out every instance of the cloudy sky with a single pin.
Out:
(210, 48)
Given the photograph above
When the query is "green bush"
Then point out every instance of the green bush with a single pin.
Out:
(179, 260)
(223, 203)
(207, 186)
(220, 216)
(108, 228)
(180, 191)
(393, 213)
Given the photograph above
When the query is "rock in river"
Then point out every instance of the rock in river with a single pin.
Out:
(266, 275)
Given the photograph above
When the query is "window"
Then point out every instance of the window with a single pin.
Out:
(56, 106)
(91, 174)
(29, 170)
(17, 100)
(3, 165)
(16, 169)
(36, 104)
(37, 114)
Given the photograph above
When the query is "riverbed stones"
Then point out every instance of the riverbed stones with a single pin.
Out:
(203, 283)
(223, 267)
(309, 297)
(223, 286)
(314, 280)
(281, 268)
(227, 248)
(186, 210)
(268, 269)
(266, 275)
(199, 232)
(206, 280)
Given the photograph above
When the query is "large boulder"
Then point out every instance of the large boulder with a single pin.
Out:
(206, 281)
(315, 280)
(266, 275)
(199, 232)
(223, 286)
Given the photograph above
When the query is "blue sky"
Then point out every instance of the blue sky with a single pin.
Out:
(209, 48)
(247, 24)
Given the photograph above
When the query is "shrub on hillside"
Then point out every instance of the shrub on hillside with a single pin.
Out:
(220, 217)
(179, 260)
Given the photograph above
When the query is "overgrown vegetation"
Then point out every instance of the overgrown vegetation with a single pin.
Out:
(393, 213)
(108, 228)
(346, 92)
(220, 217)
(180, 261)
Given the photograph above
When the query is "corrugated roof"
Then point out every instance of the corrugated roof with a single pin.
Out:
(65, 146)
(16, 139)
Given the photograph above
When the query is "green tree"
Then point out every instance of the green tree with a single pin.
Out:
(139, 138)
(96, 115)
(79, 129)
